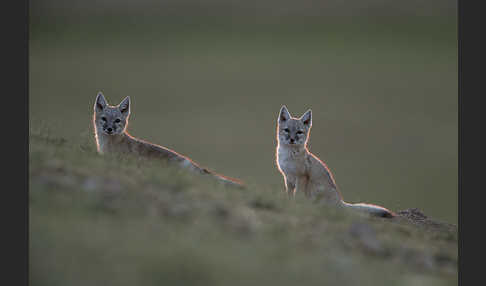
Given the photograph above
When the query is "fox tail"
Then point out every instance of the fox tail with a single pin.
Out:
(371, 209)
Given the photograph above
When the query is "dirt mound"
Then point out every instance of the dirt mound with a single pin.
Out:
(417, 217)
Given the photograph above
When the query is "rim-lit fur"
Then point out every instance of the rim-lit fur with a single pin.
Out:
(110, 125)
(303, 171)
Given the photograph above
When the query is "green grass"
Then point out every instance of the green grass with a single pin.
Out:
(120, 220)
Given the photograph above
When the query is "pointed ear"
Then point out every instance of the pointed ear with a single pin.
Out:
(307, 118)
(284, 114)
(124, 106)
(100, 102)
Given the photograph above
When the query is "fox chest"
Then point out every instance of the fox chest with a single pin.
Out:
(292, 163)
(109, 147)
(112, 145)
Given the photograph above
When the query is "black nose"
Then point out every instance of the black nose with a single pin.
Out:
(109, 129)
(292, 140)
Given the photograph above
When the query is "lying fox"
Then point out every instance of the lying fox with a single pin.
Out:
(303, 171)
(110, 124)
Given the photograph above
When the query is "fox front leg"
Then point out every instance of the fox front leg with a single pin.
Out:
(302, 185)
(290, 186)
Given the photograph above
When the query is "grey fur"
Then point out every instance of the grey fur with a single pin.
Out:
(110, 124)
(304, 171)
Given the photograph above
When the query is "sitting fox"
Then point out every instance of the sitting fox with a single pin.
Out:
(110, 124)
(303, 171)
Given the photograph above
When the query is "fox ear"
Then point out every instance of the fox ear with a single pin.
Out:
(284, 114)
(307, 118)
(100, 103)
(124, 106)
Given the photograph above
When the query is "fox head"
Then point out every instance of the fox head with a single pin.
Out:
(111, 120)
(293, 131)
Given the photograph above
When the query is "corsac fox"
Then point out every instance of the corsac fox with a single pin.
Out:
(303, 171)
(110, 124)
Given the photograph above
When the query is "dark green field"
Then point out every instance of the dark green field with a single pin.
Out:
(384, 100)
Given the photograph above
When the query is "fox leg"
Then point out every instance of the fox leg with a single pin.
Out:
(303, 185)
(290, 186)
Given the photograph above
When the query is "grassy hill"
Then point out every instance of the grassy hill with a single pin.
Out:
(113, 220)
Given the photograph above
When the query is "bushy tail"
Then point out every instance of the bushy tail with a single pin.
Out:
(371, 209)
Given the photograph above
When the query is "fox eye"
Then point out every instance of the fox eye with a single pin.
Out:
(300, 132)
(286, 130)
(103, 118)
(117, 120)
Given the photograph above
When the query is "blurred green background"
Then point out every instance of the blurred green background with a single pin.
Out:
(207, 79)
